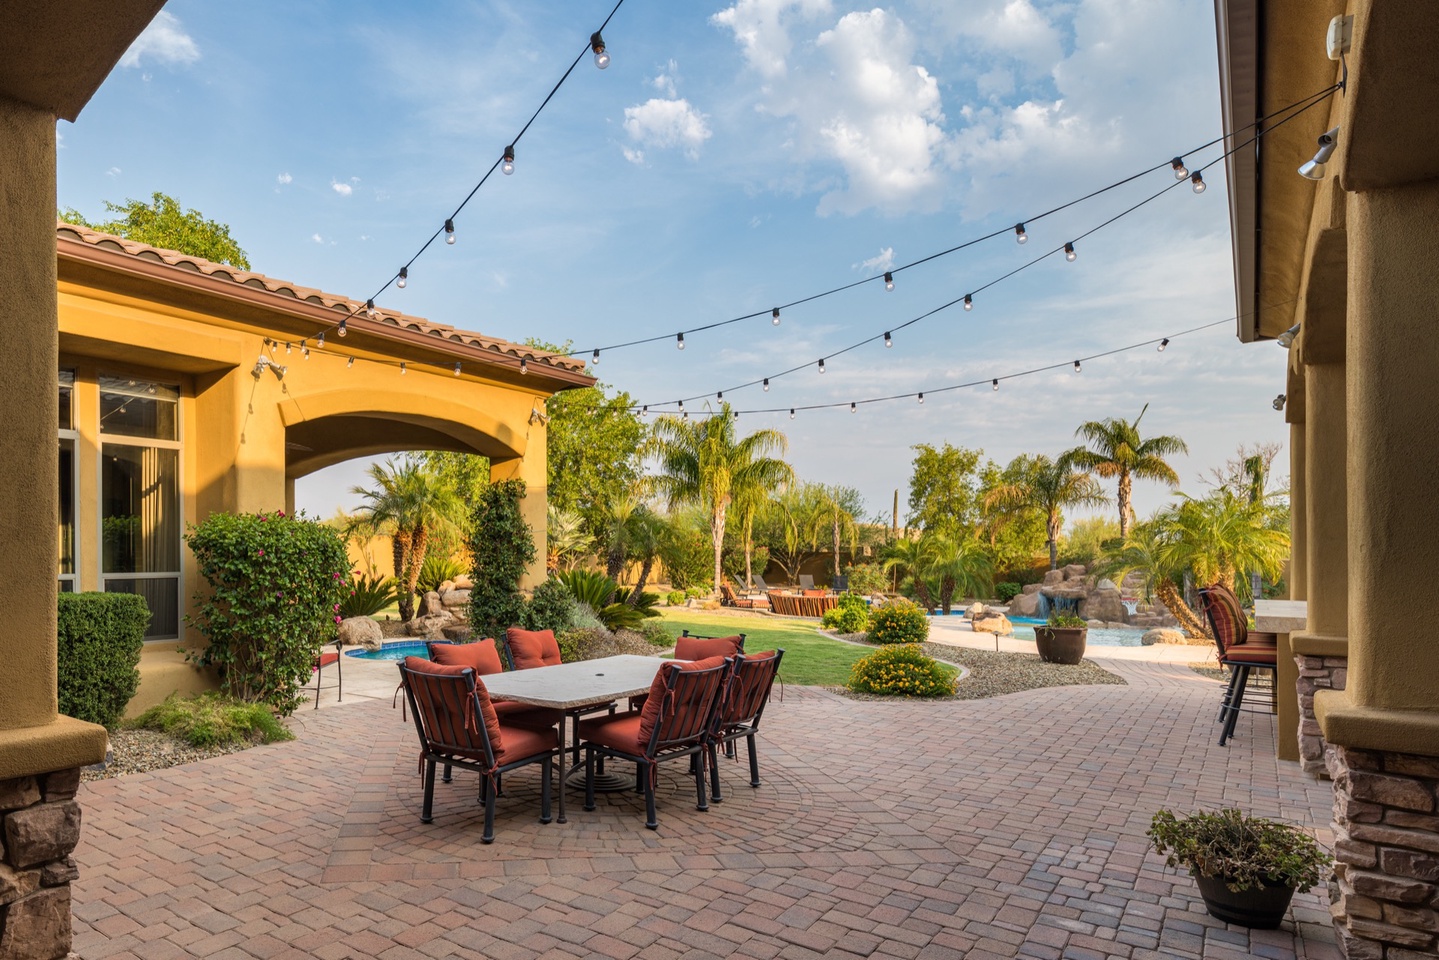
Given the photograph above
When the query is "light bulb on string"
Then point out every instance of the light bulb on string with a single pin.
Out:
(1163, 343)
(370, 309)
(287, 346)
(968, 301)
(888, 341)
(853, 408)
(679, 341)
(449, 231)
(597, 44)
(719, 394)
(1069, 253)
(686, 415)
(404, 279)
(736, 414)
(1197, 179)
(304, 350)
(921, 399)
(349, 363)
(524, 365)
(507, 167)
(1077, 367)
(320, 340)
(1180, 170)
(791, 413)
(1019, 235)
(774, 316)
(645, 410)
(995, 383)
(821, 364)
(596, 358)
(766, 384)
(344, 329)
(888, 281)
(457, 369)
(404, 368)
(682, 404)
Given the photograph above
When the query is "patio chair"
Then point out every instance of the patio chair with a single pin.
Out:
(458, 726)
(324, 659)
(740, 710)
(483, 657)
(806, 582)
(729, 598)
(694, 646)
(760, 585)
(677, 715)
(1239, 650)
(527, 649)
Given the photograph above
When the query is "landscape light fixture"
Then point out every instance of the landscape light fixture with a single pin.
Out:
(1288, 336)
(1279, 403)
(265, 362)
(1180, 170)
(508, 166)
(403, 280)
(449, 231)
(1069, 253)
(888, 281)
(774, 316)
(597, 44)
(1163, 343)
(1314, 168)
(1197, 179)
(1019, 235)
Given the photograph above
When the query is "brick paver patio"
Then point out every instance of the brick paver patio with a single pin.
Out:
(1011, 827)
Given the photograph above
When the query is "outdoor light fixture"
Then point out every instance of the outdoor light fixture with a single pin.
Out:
(1279, 402)
(853, 408)
(888, 280)
(1287, 337)
(995, 382)
(370, 309)
(791, 413)
(774, 316)
(597, 44)
(404, 368)
(736, 414)
(821, 364)
(524, 365)
(645, 410)
(457, 369)
(719, 394)
(1314, 168)
(262, 363)
(921, 398)
(304, 350)
(679, 341)
(682, 404)
(1069, 253)
(449, 231)
(349, 363)
(766, 384)
(344, 329)
(1180, 170)
(508, 167)
(287, 350)
(1163, 343)
(404, 278)
(1019, 235)
(1197, 179)
(1077, 367)
(888, 341)
(968, 301)
(596, 358)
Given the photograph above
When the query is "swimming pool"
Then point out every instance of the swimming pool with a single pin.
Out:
(394, 650)
(1097, 637)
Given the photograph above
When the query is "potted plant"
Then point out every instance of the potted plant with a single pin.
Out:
(1247, 868)
(1062, 640)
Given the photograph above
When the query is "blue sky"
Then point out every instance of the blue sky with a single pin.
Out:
(735, 154)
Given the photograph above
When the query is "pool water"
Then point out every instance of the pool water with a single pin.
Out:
(1097, 637)
(395, 650)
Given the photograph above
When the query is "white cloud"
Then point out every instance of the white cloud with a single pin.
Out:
(760, 28)
(317, 238)
(667, 79)
(284, 178)
(163, 41)
(343, 189)
(667, 123)
(113, 172)
(878, 264)
(636, 157)
(1014, 29)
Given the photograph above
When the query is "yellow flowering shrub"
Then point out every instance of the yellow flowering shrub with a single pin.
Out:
(902, 670)
(898, 621)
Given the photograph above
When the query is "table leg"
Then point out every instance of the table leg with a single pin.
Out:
(561, 783)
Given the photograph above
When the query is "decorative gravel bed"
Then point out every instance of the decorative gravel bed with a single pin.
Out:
(996, 674)
(138, 751)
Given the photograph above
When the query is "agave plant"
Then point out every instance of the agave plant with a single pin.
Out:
(368, 596)
(435, 571)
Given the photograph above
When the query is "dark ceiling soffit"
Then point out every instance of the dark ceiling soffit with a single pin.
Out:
(1238, 25)
(540, 373)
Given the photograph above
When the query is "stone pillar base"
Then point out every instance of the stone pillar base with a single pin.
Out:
(39, 827)
(1387, 853)
(1316, 673)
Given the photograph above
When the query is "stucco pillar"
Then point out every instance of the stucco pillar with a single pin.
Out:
(1298, 532)
(1326, 496)
(532, 468)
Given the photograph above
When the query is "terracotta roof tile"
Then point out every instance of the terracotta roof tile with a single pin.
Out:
(184, 261)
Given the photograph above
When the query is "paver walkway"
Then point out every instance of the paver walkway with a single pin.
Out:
(1011, 827)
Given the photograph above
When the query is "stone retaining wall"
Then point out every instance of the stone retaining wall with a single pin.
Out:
(1316, 673)
(39, 827)
(1387, 851)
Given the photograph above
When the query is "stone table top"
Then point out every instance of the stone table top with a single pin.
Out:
(1280, 616)
(581, 684)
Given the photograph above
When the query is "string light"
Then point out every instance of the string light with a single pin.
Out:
(508, 166)
(686, 414)
(774, 316)
(596, 358)
(1077, 367)
(1180, 170)
(343, 330)
(349, 363)
(597, 44)
(736, 414)
(766, 384)
(887, 341)
(888, 280)
(791, 413)
(404, 278)
(370, 308)
(968, 302)
(853, 408)
(679, 341)
(995, 381)
(1163, 343)
(719, 395)
(457, 368)
(921, 398)
(682, 404)
(1019, 235)
(404, 368)
(449, 231)
(320, 341)
(304, 350)
(524, 366)
(1069, 253)
(821, 364)
(287, 346)
(1197, 179)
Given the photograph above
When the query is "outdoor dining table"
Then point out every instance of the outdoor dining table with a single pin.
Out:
(571, 687)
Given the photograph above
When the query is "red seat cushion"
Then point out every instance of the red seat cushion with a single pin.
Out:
(1243, 653)
(328, 658)
(487, 709)
(522, 742)
(523, 715)
(814, 593)
(532, 648)
(696, 648)
(622, 732)
(480, 656)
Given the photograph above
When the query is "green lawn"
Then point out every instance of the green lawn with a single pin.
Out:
(809, 659)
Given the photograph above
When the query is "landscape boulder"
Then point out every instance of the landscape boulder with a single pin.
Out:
(1161, 635)
(431, 605)
(1053, 578)
(361, 632)
(1025, 605)
(1103, 603)
(996, 623)
(431, 627)
(463, 582)
(975, 611)
(455, 600)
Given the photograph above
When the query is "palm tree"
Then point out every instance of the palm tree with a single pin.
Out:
(837, 506)
(1147, 550)
(1223, 535)
(795, 513)
(704, 462)
(960, 564)
(647, 532)
(410, 501)
(1047, 487)
(905, 557)
(1117, 450)
(565, 538)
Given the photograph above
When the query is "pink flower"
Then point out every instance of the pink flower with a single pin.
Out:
(338, 619)
(262, 551)
(337, 608)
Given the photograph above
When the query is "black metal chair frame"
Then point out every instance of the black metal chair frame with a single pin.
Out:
(658, 751)
(434, 752)
(320, 684)
(806, 582)
(502, 643)
(1239, 671)
(746, 727)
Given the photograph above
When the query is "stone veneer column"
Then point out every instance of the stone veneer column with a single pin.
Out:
(1383, 730)
(39, 827)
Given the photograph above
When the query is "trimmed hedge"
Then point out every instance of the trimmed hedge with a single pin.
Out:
(501, 548)
(101, 635)
(898, 621)
(850, 615)
(1005, 592)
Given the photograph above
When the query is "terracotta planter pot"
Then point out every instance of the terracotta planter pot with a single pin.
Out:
(1261, 908)
(1061, 644)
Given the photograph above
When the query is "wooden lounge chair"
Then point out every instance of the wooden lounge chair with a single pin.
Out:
(760, 585)
(1239, 650)
(458, 726)
(730, 599)
(806, 582)
(739, 712)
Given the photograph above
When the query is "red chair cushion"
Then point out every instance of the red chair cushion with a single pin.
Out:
(621, 732)
(480, 656)
(522, 742)
(1243, 653)
(650, 715)
(696, 648)
(513, 714)
(813, 593)
(328, 658)
(487, 709)
(532, 648)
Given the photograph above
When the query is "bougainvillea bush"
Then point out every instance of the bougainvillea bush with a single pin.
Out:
(276, 586)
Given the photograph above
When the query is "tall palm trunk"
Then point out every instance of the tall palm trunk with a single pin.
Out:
(749, 549)
(419, 546)
(717, 529)
(946, 593)
(400, 543)
(1189, 621)
(645, 565)
(1126, 512)
(836, 544)
(922, 590)
(614, 565)
(1051, 530)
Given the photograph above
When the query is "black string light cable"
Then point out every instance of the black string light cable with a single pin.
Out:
(1196, 179)
(1176, 164)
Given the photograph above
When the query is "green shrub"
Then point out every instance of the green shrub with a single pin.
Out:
(1005, 592)
(276, 586)
(368, 596)
(676, 598)
(436, 569)
(550, 607)
(100, 638)
(211, 720)
(1065, 619)
(586, 619)
(591, 587)
(656, 634)
(867, 578)
(591, 644)
(898, 621)
(902, 670)
(698, 592)
(850, 615)
(502, 548)
(687, 551)
(1246, 851)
